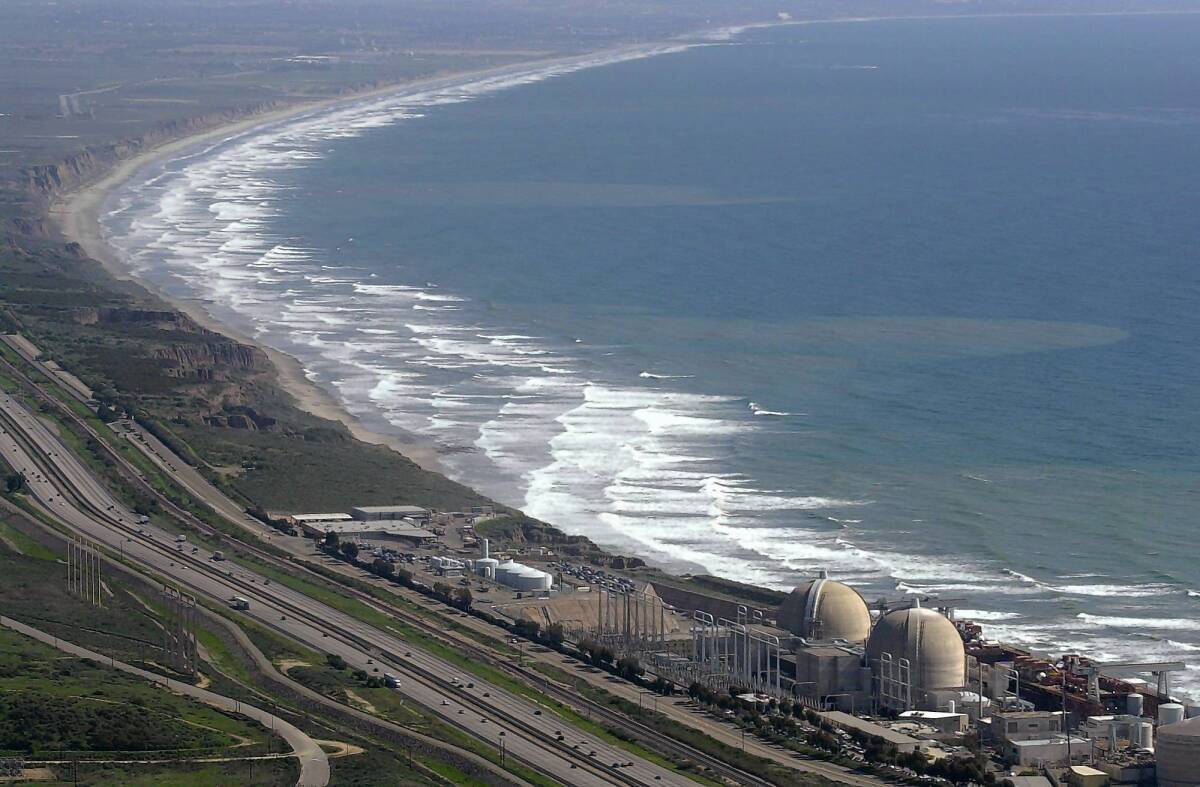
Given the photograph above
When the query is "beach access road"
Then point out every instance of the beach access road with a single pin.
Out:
(314, 764)
(677, 709)
(66, 491)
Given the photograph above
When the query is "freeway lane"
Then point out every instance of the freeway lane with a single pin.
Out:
(486, 712)
(187, 477)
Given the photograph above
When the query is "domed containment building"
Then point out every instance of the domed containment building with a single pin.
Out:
(915, 654)
(826, 610)
(1178, 753)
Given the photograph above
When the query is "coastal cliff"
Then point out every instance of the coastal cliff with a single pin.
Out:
(44, 181)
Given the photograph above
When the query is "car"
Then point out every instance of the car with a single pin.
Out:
(487, 694)
(471, 686)
(445, 703)
(537, 712)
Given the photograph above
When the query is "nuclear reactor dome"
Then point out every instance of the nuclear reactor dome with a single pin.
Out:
(930, 643)
(1178, 752)
(825, 609)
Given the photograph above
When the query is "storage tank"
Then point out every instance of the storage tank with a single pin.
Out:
(930, 643)
(486, 567)
(1146, 739)
(1169, 713)
(1133, 704)
(1178, 753)
(824, 610)
(522, 577)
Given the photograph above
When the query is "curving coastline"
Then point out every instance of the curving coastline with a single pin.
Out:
(76, 214)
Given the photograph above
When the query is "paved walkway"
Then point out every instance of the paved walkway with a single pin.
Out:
(314, 765)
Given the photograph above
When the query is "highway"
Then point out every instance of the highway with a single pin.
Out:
(199, 487)
(514, 724)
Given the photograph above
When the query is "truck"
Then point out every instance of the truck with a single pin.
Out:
(218, 555)
(391, 681)
(179, 539)
(237, 602)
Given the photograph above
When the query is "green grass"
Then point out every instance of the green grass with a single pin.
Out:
(26, 545)
(262, 773)
(221, 658)
(70, 692)
(378, 767)
(34, 591)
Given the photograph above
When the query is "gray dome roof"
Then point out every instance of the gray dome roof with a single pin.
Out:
(928, 640)
(1178, 752)
(825, 609)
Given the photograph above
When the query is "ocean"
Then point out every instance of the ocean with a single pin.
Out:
(913, 301)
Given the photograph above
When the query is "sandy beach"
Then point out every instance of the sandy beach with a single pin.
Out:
(76, 213)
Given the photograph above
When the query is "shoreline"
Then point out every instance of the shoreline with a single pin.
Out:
(76, 215)
(80, 209)
(76, 212)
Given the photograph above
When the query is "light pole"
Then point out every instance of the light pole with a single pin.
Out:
(825, 699)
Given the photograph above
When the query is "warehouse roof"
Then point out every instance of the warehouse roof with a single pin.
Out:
(840, 719)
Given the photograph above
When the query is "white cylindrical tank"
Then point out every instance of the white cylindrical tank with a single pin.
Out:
(486, 554)
(1133, 704)
(522, 577)
(1146, 739)
(950, 706)
(1169, 713)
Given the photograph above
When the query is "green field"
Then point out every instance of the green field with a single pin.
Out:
(53, 705)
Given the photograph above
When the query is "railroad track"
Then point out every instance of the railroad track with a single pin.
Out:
(660, 741)
(384, 653)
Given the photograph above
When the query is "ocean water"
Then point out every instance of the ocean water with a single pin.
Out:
(912, 301)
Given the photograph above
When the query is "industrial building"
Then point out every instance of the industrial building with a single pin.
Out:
(403, 532)
(893, 740)
(309, 521)
(825, 647)
(390, 513)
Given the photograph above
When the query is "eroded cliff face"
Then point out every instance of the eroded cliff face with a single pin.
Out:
(201, 360)
(40, 183)
(160, 318)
